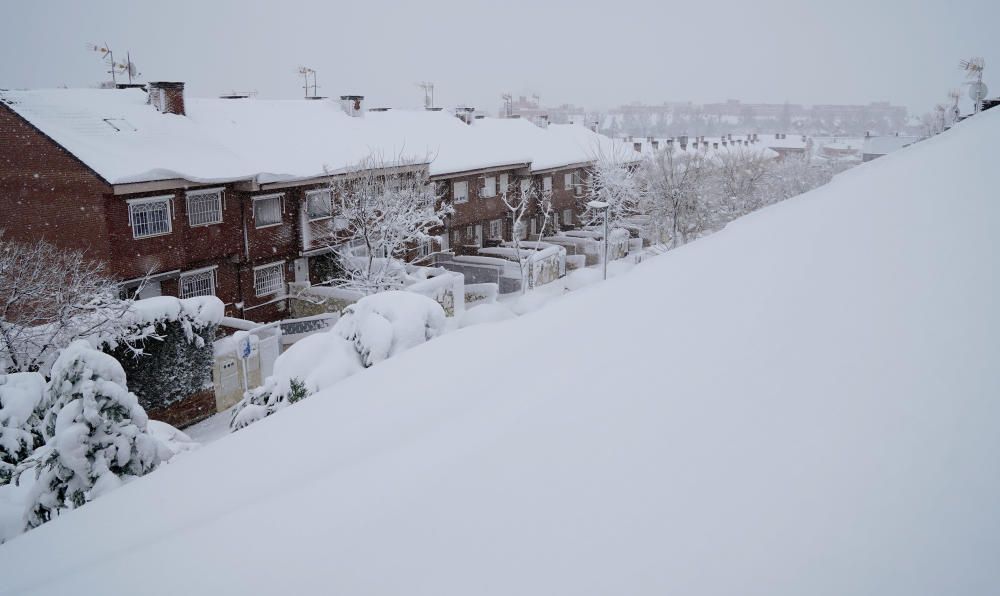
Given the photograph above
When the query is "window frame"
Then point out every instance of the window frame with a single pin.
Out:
(499, 229)
(489, 181)
(312, 194)
(280, 197)
(454, 191)
(201, 193)
(280, 265)
(568, 180)
(547, 184)
(167, 200)
(212, 284)
(503, 182)
(567, 221)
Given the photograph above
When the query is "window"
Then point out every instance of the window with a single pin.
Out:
(460, 192)
(150, 217)
(424, 248)
(504, 184)
(267, 211)
(456, 238)
(319, 204)
(489, 186)
(568, 181)
(269, 279)
(525, 186)
(534, 226)
(578, 182)
(198, 283)
(555, 220)
(547, 184)
(204, 207)
(521, 231)
(568, 217)
(469, 233)
(496, 229)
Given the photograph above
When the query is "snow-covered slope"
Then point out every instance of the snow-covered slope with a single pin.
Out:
(804, 403)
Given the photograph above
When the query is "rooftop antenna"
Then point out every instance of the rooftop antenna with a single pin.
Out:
(508, 105)
(305, 71)
(973, 68)
(428, 88)
(107, 55)
(129, 67)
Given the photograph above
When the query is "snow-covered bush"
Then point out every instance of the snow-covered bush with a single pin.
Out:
(373, 329)
(175, 358)
(383, 325)
(20, 395)
(96, 435)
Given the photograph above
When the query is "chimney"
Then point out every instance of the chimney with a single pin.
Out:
(637, 147)
(594, 125)
(694, 144)
(715, 145)
(683, 140)
(464, 114)
(655, 144)
(353, 105)
(167, 97)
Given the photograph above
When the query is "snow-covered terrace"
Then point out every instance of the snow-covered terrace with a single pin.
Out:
(125, 140)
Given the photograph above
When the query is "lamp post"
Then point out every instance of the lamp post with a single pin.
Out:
(603, 207)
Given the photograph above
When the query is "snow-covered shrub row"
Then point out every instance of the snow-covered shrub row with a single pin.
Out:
(174, 358)
(373, 329)
(95, 434)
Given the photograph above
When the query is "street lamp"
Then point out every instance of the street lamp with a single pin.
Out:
(601, 206)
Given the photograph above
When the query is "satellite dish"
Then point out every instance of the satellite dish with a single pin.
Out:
(978, 91)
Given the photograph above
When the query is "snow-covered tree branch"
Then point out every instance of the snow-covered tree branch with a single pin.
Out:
(48, 298)
(388, 208)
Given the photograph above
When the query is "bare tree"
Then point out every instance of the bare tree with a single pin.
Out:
(523, 201)
(675, 188)
(612, 180)
(48, 298)
(387, 209)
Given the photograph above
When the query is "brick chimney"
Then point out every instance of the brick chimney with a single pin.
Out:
(167, 97)
(353, 105)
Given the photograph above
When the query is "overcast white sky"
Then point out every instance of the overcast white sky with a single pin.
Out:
(596, 53)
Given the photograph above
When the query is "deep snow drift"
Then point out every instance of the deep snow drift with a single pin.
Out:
(804, 403)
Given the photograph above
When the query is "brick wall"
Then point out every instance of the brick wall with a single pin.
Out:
(47, 193)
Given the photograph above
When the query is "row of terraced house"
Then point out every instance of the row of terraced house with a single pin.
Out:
(226, 196)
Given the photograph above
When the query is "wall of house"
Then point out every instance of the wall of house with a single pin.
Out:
(47, 193)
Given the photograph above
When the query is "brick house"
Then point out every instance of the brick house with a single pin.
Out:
(231, 197)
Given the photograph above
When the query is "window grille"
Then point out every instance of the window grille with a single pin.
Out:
(198, 284)
(150, 218)
(267, 211)
(269, 279)
(204, 208)
(319, 205)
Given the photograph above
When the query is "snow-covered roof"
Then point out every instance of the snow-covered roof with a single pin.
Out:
(887, 144)
(124, 140)
(850, 446)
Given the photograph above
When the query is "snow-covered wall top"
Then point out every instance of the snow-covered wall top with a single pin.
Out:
(124, 139)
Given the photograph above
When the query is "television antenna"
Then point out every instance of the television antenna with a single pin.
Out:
(116, 68)
(973, 68)
(428, 88)
(305, 71)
